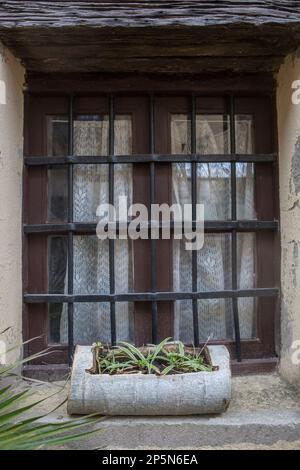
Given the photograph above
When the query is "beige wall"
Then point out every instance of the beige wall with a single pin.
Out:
(289, 179)
(11, 149)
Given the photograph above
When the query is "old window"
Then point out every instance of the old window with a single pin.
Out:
(84, 150)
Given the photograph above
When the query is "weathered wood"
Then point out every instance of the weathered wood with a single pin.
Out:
(187, 36)
(145, 13)
(154, 65)
(54, 83)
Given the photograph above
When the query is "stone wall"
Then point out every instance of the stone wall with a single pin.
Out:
(289, 180)
(11, 150)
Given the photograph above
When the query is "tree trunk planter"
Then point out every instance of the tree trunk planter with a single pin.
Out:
(141, 394)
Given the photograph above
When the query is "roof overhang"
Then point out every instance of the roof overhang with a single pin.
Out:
(187, 36)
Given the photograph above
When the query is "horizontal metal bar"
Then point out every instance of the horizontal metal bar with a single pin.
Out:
(62, 228)
(149, 296)
(153, 157)
(209, 226)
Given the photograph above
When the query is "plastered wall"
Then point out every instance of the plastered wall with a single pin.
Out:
(289, 180)
(11, 149)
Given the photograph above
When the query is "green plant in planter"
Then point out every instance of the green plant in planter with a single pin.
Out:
(165, 358)
(19, 430)
(183, 362)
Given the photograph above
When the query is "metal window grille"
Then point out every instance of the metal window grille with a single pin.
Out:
(233, 226)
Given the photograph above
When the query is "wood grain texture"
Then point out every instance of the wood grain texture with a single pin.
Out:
(145, 13)
(187, 36)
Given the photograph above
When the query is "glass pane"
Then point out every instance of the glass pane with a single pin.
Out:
(181, 172)
(214, 262)
(57, 145)
(91, 265)
(58, 193)
(180, 134)
(58, 324)
(123, 146)
(215, 318)
(213, 134)
(57, 264)
(244, 129)
(91, 276)
(57, 136)
(245, 175)
(246, 273)
(123, 266)
(213, 179)
(214, 190)
(125, 321)
(247, 307)
(246, 269)
(244, 133)
(57, 283)
(91, 323)
(96, 323)
(182, 267)
(91, 135)
(90, 189)
(90, 186)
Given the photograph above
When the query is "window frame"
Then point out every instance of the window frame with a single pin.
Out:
(35, 314)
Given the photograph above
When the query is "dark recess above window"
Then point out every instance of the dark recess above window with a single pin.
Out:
(150, 36)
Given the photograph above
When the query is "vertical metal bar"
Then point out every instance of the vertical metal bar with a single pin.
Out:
(70, 235)
(227, 242)
(111, 201)
(234, 234)
(194, 215)
(154, 310)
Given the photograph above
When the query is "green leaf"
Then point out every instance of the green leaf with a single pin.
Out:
(168, 369)
(132, 350)
(158, 348)
(4, 404)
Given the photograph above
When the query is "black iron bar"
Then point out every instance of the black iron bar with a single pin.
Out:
(70, 235)
(111, 241)
(152, 157)
(210, 226)
(194, 215)
(153, 244)
(151, 296)
(234, 233)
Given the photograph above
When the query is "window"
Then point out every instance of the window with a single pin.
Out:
(85, 150)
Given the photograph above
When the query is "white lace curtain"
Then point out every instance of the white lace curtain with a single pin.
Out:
(91, 256)
(214, 259)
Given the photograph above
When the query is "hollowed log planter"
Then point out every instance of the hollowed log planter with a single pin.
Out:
(139, 394)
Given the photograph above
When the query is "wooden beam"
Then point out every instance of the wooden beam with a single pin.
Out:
(166, 65)
(146, 13)
(150, 36)
(55, 83)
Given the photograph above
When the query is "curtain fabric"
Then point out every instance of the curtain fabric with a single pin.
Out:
(91, 256)
(214, 259)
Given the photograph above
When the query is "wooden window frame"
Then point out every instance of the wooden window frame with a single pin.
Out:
(259, 354)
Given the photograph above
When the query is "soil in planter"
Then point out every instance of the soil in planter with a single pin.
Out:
(164, 359)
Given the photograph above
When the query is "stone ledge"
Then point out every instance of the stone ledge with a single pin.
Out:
(231, 428)
(264, 412)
